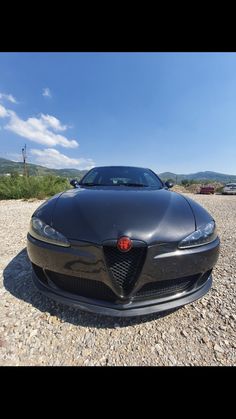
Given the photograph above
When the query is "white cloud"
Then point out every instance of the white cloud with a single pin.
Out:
(53, 122)
(10, 98)
(39, 129)
(47, 92)
(50, 157)
(3, 112)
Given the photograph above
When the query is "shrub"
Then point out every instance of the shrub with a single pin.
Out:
(17, 187)
(185, 182)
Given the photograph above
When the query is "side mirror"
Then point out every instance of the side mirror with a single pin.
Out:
(169, 184)
(74, 183)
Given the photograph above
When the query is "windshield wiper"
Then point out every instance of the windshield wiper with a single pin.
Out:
(91, 184)
(133, 184)
(114, 184)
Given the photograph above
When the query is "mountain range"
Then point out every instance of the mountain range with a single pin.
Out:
(9, 166)
(199, 176)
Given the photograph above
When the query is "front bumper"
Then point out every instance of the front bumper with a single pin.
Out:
(86, 260)
(121, 310)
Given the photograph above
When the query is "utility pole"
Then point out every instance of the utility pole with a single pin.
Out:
(24, 155)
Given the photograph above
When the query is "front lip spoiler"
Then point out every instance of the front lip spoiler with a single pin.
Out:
(125, 310)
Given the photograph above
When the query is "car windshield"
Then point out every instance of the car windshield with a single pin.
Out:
(232, 185)
(121, 176)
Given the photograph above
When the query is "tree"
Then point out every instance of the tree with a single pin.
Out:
(185, 182)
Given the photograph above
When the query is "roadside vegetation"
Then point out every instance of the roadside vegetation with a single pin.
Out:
(40, 187)
(194, 186)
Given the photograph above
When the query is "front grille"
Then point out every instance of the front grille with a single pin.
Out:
(169, 287)
(124, 267)
(88, 288)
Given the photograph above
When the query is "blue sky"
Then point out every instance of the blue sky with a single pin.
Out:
(167, 111)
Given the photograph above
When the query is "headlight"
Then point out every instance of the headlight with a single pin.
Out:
(41, 231)
(205, 234)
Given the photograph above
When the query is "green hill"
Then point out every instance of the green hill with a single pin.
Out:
(199, 176)
(8, 166)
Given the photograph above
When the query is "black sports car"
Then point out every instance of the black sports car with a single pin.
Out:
(120, 243)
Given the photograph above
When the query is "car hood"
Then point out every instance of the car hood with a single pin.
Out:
(97, 214)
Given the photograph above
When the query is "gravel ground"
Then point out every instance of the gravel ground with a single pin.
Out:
(37, 331)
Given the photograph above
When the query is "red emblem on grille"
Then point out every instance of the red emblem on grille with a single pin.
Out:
(124, 244)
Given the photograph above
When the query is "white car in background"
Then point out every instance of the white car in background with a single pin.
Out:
(229, 189)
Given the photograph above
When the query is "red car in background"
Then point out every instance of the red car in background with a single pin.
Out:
(207, 190)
